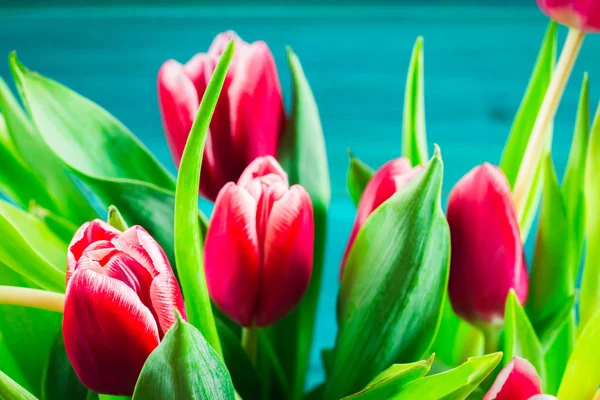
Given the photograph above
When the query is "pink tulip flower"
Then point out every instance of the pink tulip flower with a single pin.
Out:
(249, 118)
(580, 14)
(385, 182)
(518, 380)
(487, 257)
(259, 245)
(120, 301)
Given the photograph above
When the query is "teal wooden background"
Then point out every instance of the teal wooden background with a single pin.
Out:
(478, 56)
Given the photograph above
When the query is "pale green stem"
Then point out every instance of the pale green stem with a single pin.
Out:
(250, 342)
(43, 299)
(491, 335)
(540, 131)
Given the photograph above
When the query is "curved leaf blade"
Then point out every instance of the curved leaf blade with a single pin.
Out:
(414, 138)
(398, 266)
(60, 380)
(11, 390)
(188, 238)
(359, 175)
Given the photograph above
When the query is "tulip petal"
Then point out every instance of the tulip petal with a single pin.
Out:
(108, 332)
(386, 181)
(88, 233)
(288, 256)
(256, 101)
(487, 257)
(232, 258)
(518, 380)
(179, 104)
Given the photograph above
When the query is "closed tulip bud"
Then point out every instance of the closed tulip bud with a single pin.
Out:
(487, 257)
(583, 15)
(259, 245)
(249, 117)
(120, 301)
(385, 182)
(518, 380)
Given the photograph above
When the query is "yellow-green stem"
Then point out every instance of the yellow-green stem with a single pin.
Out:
(250, 342)
(35, 298)
(540, 131)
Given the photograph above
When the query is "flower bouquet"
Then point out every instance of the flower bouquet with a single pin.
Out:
(114, 285)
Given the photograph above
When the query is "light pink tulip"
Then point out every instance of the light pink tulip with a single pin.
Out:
(259, 245)
(385, 182)
(249, 118)
(581, 14)
(487, 257)
(518, 380)
(120, 301)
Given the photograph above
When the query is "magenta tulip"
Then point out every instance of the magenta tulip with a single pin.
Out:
(487, 257)
(580, 14)
(120, 301)
(387, 180)
(518, 380)
(259, 245)
(249, 118)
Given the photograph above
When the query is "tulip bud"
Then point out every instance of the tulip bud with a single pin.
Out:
(385, 182)
(518, 380)
(487, 257)
(120, 301)
(259, 245)
(249, 117)
(582, 15)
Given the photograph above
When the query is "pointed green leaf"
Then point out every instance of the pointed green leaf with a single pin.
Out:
(454, 384)
(359, 175)
(552, 281)
(398, 266)
(184, 366)
(589, 301)
(61, 194)
(520, 339)
(120, 170)
(558, 341)
(516, 144)
(115, 219)
(414, 138)
(574, 180)
(11, 390)
(303, 156)
(389, 382)
(188, 238)
(60, 380)
(581, 378)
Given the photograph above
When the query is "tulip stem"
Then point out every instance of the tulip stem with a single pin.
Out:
(491, 334)
(540, 132)
(250, 342)
(42, 299)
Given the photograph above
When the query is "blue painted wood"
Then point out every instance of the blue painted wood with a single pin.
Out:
(478, 59)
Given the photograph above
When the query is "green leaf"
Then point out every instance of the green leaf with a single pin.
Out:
(243, 374)
(520, 339)
(188, 238)
(184, 365)
(456, 340)
(580, 381)
(414, 138)
(589, 301)
(16, 179)
(115, 219)
(398, 266)
(574, 180)
(120, 170)
(359, 175)
(554, 254)
(60, 380)
(454, 384)
(389, 382)
(31, 249)
(513, 153)
(558, 344)
(11, 390)
(303, 155)
(62, 228)
(28, 333)
(59, 193)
